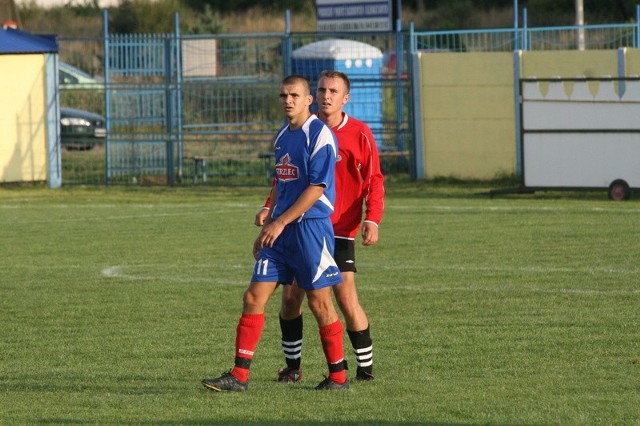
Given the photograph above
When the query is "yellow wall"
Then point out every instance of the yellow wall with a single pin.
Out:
(467, 103)
(569, 63)
(632, 65)
(23, 153)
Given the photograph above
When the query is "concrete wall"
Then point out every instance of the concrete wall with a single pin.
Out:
(23, 129)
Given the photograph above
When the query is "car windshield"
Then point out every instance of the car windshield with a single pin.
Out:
(68, 74)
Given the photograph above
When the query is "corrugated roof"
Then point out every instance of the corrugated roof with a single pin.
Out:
(16, 41)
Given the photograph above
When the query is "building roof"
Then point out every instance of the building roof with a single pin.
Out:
(337, 49)
(16, 41)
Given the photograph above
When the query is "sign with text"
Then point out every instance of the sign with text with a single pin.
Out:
(349, 15)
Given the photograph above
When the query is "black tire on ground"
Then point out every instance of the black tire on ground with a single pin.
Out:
(619, 190)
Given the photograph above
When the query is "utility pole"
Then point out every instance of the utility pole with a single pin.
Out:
(580, 23)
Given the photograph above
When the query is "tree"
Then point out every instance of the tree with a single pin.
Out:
(9, 12)
(144, 16)
(226, 6)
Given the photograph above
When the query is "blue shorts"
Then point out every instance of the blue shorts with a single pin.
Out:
(302, 251)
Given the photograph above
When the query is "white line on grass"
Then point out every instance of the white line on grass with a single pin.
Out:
(117, 271)
(425, 288)
(427, 207)
(527, 269)
(85, 218)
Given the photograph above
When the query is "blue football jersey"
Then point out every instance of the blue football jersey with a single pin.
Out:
(305, 156)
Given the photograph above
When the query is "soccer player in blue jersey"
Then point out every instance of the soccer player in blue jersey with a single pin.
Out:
(297, 240)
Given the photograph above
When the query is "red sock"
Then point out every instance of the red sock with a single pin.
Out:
(331, 336)
(248, 335)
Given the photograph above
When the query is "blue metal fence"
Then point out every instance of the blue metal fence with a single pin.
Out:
(203, 108)
(609, 36)
(509, 39)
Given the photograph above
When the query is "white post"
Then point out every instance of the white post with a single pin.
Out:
(580, 23)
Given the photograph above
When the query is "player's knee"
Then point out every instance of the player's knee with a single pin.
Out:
(251, 301)
(320, 307)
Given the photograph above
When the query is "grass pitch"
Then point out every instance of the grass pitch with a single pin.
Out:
(115, 302)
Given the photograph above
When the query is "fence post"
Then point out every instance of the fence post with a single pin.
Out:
(517, 99)
(107, 96)
(178, 94)
(400, 55)
(168, 111)
(525, 37)
(286, 44)
(417, 166)
(637, 26)
(516, 33)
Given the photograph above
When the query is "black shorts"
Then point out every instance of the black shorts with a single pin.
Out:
(344, 254)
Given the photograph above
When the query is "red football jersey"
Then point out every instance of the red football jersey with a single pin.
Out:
(359, 180)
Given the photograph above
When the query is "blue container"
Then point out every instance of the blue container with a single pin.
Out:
(361, 62)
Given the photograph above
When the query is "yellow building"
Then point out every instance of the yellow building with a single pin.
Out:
(29, 148)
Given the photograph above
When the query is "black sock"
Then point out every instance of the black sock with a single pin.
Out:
(363, 349)
(292, 341)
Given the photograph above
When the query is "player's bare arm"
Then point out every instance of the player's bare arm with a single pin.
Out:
(264, 214)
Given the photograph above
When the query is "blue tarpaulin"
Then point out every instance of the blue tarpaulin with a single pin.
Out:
(17, 42)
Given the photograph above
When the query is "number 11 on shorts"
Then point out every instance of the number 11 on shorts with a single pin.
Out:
(262, 266)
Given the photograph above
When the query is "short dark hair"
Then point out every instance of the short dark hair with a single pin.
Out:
(337, 74)
(294, 79)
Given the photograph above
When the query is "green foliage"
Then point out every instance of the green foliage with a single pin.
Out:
(207, 22)
(144, 16)
(235, 6)
(454, 15)
(157, 17)
(551, 12)
(514, 310)
(207, 16)
(71, 21)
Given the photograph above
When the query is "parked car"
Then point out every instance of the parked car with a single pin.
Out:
(81, 130)
(70, 77)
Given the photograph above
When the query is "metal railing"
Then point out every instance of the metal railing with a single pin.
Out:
(590, 37)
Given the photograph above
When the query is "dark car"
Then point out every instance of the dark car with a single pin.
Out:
(81, 130)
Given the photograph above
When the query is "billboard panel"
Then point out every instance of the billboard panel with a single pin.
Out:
(349, 15)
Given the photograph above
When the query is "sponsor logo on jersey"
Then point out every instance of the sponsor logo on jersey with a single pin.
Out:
(286, 171)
